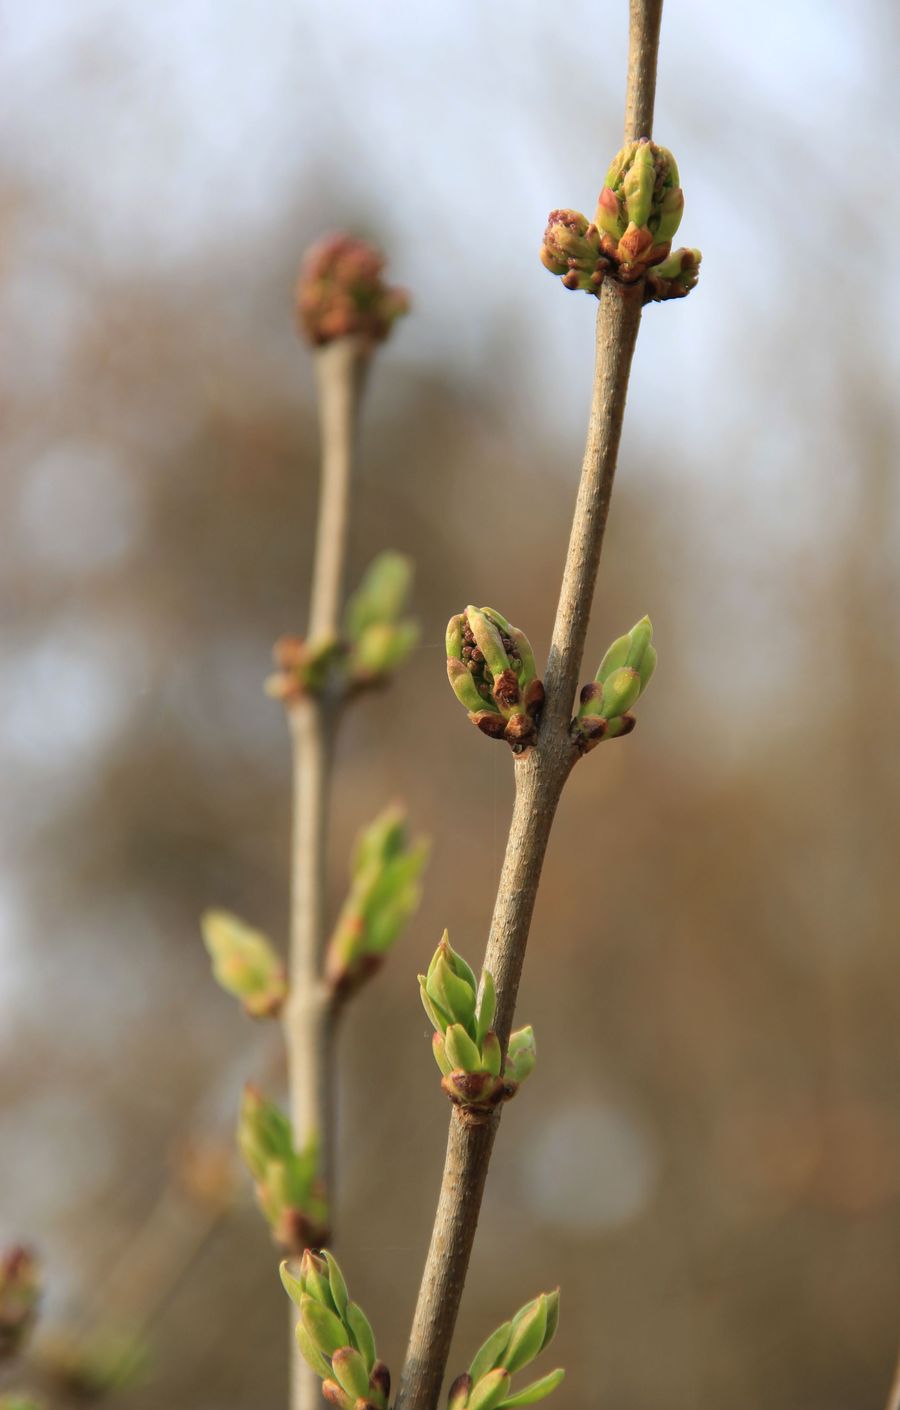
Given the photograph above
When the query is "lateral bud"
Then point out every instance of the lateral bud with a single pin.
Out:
(465, 1046)
(492, 671)
(623, 675)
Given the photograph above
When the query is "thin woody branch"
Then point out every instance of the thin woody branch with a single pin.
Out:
(541, 773)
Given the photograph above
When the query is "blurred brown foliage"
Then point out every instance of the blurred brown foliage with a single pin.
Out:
(708, 1155)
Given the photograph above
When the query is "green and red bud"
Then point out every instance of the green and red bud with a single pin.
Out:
(334, 1335)
(378, 636)
(303, 668)
(638, 213)
(674, 278)
(491, 668)
(571, 249)
(288, 1183)
(465, 1046)
(385, 890)
(623, 675)
(514, 1345)
(245, 963)
(341, 292)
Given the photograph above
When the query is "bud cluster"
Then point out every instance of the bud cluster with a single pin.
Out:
(88, 1369)
(571, 249)
(487, 1383)
(384, 893)
(245, 963)
(605, 702)
(335, 1336)
(379, 637)
(289, 1188)
(303, 667)
(20, 1294)
(492, 670)
(674, 278)
(638, 212)
(341, 292)
(466, 1048)
(376, 640)
(640, 208)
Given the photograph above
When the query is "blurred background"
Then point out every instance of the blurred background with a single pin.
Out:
(708, 1159)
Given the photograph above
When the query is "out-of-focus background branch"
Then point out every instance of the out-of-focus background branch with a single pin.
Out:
(708, 1157)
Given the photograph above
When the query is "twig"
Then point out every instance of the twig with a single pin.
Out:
(540, 777)
(310, 1015)
(643, 51)
(893, 1400)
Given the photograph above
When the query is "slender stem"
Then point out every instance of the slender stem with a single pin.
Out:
(540, 778)
(893, 1400)
(310, 1015)
(340, 376)
(643, 50)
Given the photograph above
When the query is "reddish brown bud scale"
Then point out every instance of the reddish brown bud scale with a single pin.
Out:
(341, 292)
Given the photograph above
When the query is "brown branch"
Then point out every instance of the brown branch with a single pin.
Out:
(643, 51)
(540, 777)
(310, 1015)
(893, 1400)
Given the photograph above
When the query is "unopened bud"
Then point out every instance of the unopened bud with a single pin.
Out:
(288, 1182)
(638, 212)
(510, 1348)
(334, 1335)
(341, 292)
(466, 1048)
(491, 667)
(622, 677)
(245, 963)
(385, 890)
(571, 248)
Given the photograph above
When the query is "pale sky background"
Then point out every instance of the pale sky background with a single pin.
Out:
(159, 136)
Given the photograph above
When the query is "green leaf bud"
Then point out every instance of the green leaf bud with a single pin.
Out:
(552, 1317)
(487, 1005)
(521, 1055)
(337, 1286)
(311, 1353)
(490, 1353)
(491, 1055)
(385, 891)
(324, 1328)
(361, 1333)
(527, 1338)
(454, 995)
(491, 667)
(622, 677)
(440, 1055)
(245, 963)
(461, 1050)
(351, 1372)
(488, 640)
(287, 1181)
(538, 1390)
(638, 178)
(382, 596)
(487, 1393)
(458, 1397)
(620, 691)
